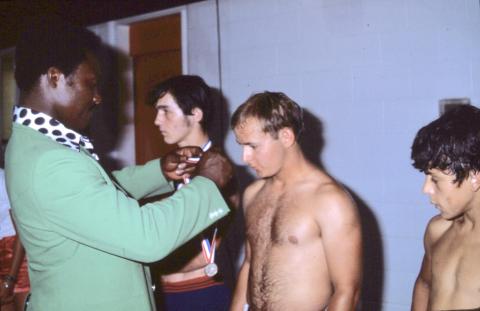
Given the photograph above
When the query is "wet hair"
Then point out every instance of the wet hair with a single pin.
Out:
(189, 92)
(51, 42)
(274, 109)
(450, 143)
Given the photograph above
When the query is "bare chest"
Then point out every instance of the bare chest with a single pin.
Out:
(279, 219)
(286, 253)
(455, 266)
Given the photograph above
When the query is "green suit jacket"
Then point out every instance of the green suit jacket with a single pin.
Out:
(85, 238)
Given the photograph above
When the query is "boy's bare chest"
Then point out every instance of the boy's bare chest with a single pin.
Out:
(455, 261)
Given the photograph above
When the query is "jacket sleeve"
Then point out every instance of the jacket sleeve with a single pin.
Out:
(142, 181)
(79, 203)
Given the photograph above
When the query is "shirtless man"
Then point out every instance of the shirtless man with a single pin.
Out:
(447, 151)
(303, 245)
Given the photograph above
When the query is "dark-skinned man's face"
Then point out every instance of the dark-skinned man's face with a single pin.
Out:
(79, 96)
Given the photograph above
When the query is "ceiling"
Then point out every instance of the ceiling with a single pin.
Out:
(15, 14)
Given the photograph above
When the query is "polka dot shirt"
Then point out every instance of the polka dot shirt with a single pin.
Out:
(52, 128)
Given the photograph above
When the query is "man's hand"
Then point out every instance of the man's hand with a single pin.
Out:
(180, 163)
(6, 292)
(215, 166)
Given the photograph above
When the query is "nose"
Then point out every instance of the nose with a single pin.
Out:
(158, 118)
(246, 155)
(427, 185)
(97, 99)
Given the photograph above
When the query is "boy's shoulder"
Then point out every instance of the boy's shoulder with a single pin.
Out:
(436, 228)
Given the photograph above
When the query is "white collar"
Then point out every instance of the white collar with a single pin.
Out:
(207, 145)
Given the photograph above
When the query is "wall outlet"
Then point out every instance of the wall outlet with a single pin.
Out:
(446, 104)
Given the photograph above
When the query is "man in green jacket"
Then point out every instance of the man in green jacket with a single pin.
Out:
(84, 232)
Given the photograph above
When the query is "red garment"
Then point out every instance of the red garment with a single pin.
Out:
(6, 255)
(189, 285)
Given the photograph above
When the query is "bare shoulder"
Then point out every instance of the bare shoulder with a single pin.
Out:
(330, 195)
(330, 201)
(333, 194)
(436, 227)
(251, 192)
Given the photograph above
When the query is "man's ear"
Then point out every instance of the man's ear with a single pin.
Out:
(475, 180)
(197, 114)
(53, 76)
(286, 136)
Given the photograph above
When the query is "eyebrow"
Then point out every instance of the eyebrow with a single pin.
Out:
(434, 174)
(247, 143)
(240, 143)
(161, 106)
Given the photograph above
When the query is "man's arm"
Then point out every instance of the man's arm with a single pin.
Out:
(342, 239)
(421, 292)
(241, 289)
(8, 283)
(79, 203)
(240, 294)
(142, 181)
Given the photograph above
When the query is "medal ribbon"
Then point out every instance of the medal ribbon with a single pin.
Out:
(208, 248)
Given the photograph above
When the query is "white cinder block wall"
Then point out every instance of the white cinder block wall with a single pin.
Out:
(372, 71)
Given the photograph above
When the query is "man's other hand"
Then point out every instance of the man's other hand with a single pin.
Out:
(180, 163)
(215, 166)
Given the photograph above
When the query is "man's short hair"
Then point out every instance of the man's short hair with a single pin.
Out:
(450, 143)
(189, 92)
(51, 42)
(274, 109)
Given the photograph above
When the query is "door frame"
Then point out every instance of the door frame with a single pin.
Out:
(8, 52)
(116, 34)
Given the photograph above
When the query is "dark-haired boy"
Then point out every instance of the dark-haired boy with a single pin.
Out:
(448, 151)
(185, 110)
